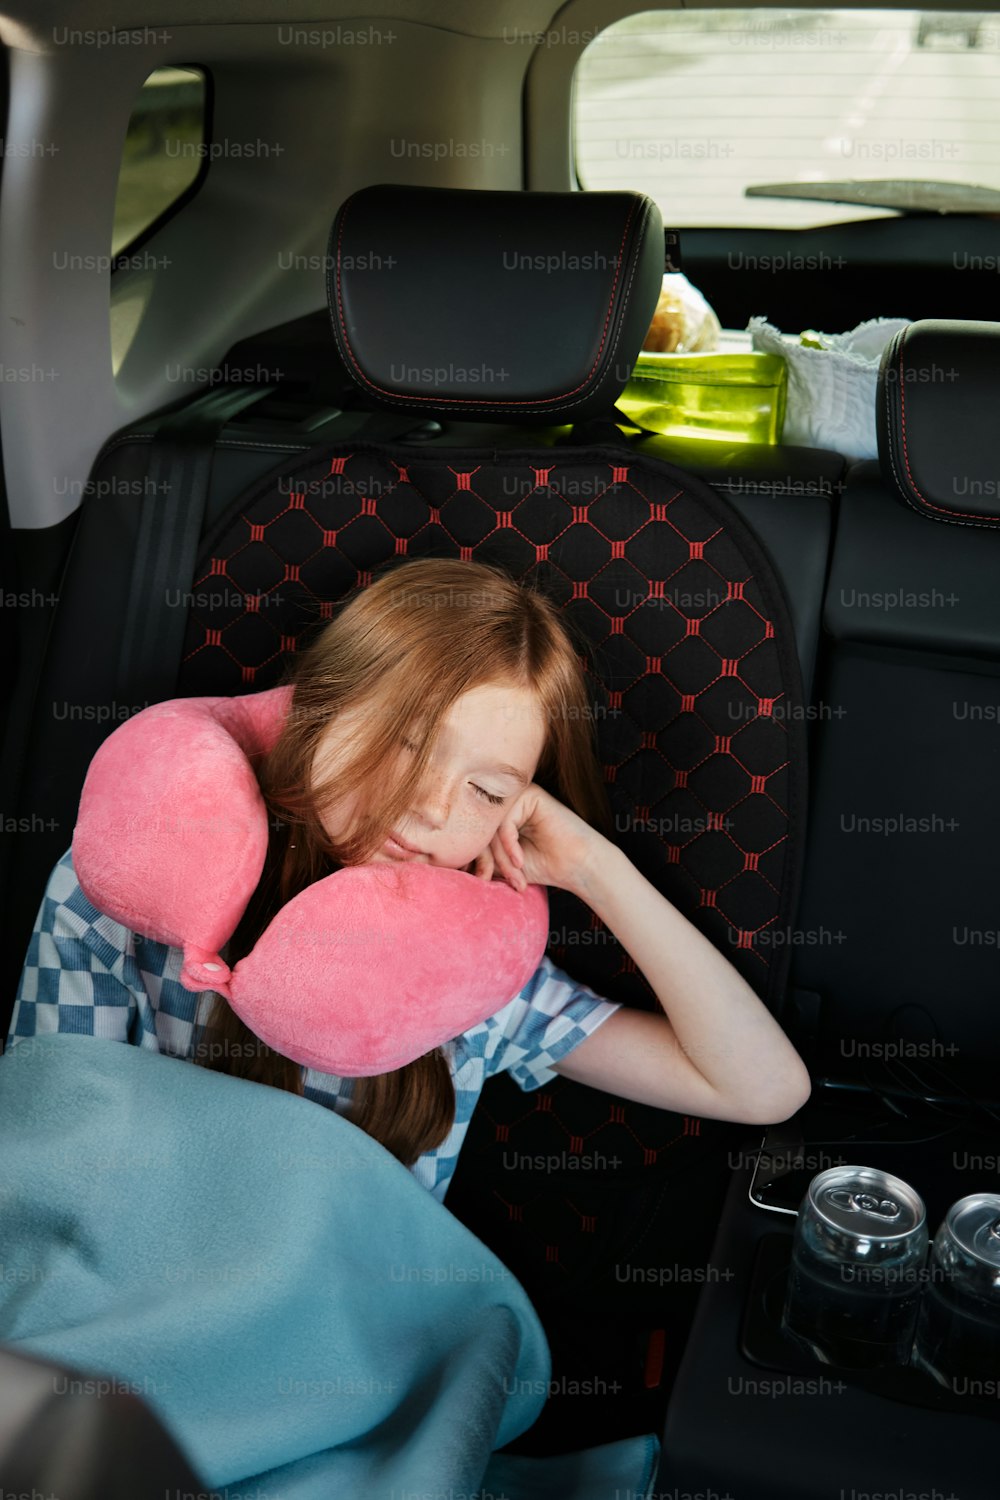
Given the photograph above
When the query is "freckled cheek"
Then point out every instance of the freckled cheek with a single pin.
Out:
(486, 817)
(471, 832)
(488, 827)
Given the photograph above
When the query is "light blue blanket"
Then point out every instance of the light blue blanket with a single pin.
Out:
(300, 1313)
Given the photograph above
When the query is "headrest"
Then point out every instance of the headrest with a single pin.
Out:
(466, 303)
(938, 398)
(363, 971)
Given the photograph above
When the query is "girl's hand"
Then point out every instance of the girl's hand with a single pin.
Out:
(539, 842)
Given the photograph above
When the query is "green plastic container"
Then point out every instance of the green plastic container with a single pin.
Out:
(735, 397)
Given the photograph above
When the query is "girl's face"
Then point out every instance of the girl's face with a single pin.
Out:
(489, 733)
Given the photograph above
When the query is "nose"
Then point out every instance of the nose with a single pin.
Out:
(432, 803)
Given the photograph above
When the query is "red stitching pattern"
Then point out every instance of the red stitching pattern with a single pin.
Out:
(483, 401)
(685, 659)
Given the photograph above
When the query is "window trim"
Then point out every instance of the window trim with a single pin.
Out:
(550, 156)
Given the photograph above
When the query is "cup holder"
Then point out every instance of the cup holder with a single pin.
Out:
(763, 1342)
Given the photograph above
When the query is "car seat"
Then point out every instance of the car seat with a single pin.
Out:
(697, 644)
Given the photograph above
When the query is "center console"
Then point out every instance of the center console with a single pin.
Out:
(752, 1416)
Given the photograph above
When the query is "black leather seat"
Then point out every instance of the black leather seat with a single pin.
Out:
(707, 782)
(906, 803)
(896, 971)
(787, 495)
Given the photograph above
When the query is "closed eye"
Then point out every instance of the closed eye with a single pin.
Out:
(490, 796)
(497, 801)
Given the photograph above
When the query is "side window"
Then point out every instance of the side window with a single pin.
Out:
(165, 155)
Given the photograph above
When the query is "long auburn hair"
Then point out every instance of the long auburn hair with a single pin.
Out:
(402, 651)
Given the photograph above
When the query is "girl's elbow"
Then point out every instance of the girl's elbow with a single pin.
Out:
(779, 1104)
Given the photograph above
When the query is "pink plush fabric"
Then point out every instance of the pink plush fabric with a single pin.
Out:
(363, 971)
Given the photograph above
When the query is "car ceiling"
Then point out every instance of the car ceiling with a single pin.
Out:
(34, 19)
(28, 23)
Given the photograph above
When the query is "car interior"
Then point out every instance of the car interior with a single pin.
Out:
(288, 296)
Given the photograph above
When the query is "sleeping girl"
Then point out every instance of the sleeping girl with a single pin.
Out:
(441, 717)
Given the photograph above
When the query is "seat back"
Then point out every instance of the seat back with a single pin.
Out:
(692, 658)
(900, 943)
(698, 635)
(691, 649)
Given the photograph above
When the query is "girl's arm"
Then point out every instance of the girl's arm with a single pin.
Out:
(717, 1052)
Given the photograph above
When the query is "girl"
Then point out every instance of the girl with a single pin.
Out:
(442, 716)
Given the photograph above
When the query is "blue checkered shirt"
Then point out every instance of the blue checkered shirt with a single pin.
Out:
(85, 973)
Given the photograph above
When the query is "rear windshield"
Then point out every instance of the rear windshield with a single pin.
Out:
(691, 107)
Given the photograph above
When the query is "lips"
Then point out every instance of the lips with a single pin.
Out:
(404, 845)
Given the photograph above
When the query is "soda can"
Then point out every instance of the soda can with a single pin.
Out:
(958, 1328)
(857, 1268)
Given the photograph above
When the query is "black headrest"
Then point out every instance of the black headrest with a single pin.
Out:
(937, 409)
(527, 306)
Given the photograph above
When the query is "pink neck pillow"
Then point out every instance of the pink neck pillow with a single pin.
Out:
(363, 971)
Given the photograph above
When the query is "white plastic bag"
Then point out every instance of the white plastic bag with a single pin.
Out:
(831, 390)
